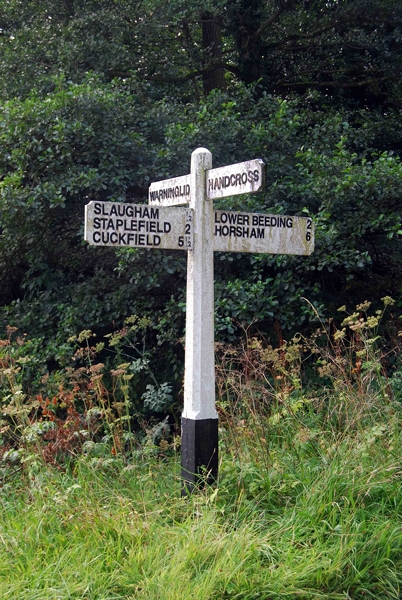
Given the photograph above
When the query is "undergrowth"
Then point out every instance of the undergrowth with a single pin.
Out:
(308, 501)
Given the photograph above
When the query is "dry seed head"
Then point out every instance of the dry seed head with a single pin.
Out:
(358, 325)
(96, 368)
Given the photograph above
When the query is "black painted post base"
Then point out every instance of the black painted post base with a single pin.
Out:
(199, 453)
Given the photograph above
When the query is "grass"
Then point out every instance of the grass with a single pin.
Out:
(301, 510)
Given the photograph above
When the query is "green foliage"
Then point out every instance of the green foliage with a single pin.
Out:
(100, 98)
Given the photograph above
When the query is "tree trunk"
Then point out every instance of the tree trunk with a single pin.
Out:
(213, 78)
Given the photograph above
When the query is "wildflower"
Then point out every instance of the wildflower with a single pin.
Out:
(84, 335)
(372, 322)
(388, 301)
(364, 306)
(340, 334)
(350, 320)
(342, 308)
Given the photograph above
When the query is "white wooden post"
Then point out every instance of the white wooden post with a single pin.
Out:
(199, 418)
(200, 231)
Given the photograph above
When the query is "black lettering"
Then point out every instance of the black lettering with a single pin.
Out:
(166, 227)
(157, 240)
(141, 240)
(289, 223)
(256, 175)
(97, 223)
(130, 238)
(238, 178)
(244, 178)
(119, 223)
(232, 180)
(96, 237)
(250, 176)
(97, 208)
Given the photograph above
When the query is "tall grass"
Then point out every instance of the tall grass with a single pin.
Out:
(308, 503)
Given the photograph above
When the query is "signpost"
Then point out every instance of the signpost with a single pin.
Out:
(200, 230)
(138, 225)
(241, 178)
(170, 192)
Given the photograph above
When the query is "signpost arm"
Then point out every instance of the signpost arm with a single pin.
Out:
(199, 419)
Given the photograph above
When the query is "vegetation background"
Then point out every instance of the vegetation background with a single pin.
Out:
(98, 99)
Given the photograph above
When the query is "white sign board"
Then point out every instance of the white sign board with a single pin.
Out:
(170, 192)
(138, 225)
(271, 234)
(241, 178)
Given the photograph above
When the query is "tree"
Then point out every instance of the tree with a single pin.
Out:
(123, 94)
(348, 49)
